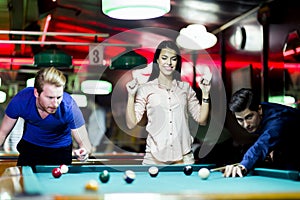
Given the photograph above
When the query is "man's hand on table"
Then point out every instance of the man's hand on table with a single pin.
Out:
(234, 170)
(81, 154)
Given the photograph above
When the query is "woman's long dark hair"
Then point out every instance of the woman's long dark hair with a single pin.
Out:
(155, 69)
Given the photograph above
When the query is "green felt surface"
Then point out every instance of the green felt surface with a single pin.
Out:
(167, 182)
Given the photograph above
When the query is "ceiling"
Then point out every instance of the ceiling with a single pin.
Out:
(78, 16)
(87, 20)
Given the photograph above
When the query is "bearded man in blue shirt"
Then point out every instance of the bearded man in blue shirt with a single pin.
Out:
(277, 127)
(51, 119)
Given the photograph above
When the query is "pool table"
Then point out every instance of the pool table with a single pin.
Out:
(171, 183)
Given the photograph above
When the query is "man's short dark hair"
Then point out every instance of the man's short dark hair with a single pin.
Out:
(242, 99)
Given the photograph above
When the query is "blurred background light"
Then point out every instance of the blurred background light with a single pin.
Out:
(135, 9)
(96, 87)
(80, 99)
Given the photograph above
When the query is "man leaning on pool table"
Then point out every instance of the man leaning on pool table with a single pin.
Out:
(51, 118)
(277, 127)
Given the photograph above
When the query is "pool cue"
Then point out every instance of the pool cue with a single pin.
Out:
(89, 160)
(96, 159)
(222, 168)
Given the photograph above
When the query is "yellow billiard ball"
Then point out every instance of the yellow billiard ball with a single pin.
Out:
(92, 185)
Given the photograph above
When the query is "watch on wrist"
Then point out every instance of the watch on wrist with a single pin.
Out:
(205, 100)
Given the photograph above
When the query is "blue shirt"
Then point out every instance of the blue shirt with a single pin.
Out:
(55, 130)
(278, 126)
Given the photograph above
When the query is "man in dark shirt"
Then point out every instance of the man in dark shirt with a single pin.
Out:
(278, 129)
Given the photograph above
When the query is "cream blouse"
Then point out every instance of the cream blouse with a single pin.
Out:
(168, 111)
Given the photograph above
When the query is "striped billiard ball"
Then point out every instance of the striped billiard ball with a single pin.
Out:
(129, 176)
(153, 171)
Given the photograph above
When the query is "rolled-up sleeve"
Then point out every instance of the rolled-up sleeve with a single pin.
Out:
(193, 104)
(140, 103)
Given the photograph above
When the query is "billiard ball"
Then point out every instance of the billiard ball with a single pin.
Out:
(129, 176)
(153, 171)
(56, 172)
(104, 176)
(204, 173)
(188, 170)
(92, 185)
(64, 169)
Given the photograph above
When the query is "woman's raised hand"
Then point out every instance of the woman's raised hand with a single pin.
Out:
(132, 86)
(204, 81)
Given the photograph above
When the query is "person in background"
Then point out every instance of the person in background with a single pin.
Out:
(97, 125)
(276, 125)
(51, 120)
(10, 144)
(167, 102)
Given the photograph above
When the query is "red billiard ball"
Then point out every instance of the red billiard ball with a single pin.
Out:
(56, 172)
(188, 170)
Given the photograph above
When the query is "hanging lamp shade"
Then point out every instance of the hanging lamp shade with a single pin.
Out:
(135, 9)
(53, 57)
(195, 37)
(128, 60)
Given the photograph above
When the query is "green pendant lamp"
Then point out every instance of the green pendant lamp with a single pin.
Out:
(53, 57)
(128, 60)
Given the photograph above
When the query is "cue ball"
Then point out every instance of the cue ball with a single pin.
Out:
(56, 173)
(204, 173)
(104, 176)
(153, 171)
(129, 176)
(64, 169)
(92, 185)
(188, 170)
